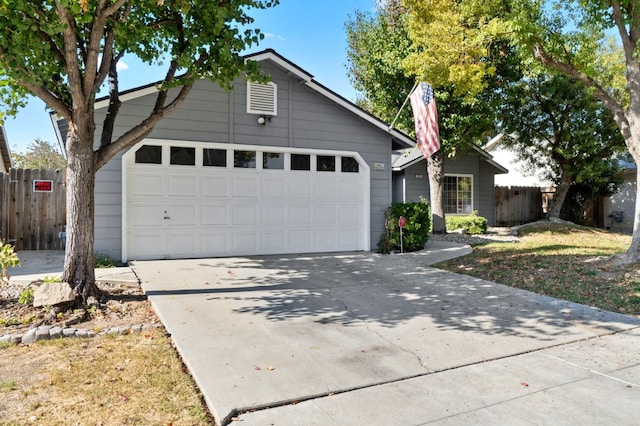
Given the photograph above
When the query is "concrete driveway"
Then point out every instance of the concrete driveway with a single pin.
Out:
(360, 338)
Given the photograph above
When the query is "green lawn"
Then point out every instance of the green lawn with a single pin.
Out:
(567, 262)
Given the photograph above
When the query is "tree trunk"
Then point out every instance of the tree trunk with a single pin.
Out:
(556, 203)
(632, 139)
(435, 170)
(633, 253)
(79, 254)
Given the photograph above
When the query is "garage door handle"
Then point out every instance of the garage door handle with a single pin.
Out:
(166, 217)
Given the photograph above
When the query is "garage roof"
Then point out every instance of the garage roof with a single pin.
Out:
(306, 78)
(403, 158)
(4, 149)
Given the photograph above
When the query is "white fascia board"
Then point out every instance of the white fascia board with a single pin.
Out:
(128, 96)
(276, 59)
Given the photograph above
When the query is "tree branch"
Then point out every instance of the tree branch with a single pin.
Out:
(614, 106)
(139, 132)
(49, 99)
(114, 103)
(69, 49)
(93, 48)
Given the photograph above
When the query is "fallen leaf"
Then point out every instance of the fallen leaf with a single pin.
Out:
(123, 398)
(271, 368)
(255, 367)
(524, 384)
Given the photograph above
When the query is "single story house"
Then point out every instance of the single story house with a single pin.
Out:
(5, 153)
(284, 167)
(468, 180)
(618, 210)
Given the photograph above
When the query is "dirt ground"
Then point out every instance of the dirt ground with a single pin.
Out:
(136, 378)
(120, 305)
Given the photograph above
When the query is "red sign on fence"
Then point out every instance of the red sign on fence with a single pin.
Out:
(42, 186)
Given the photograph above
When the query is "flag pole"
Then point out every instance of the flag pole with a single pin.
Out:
(403, 105)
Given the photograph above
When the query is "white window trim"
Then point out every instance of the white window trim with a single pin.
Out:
(459, 175)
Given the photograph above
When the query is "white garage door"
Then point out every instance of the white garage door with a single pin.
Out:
(195, 200)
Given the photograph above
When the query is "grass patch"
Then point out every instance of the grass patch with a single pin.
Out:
(564, 261)
(129, 379)
(7, 385)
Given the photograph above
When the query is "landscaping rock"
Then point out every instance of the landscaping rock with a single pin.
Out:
(6, 338)
(51, 294)
(16, 338)
(30, 336)
(42, 333)
(55, 332)
(69, 332)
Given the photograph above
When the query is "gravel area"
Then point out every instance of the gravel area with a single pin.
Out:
(492, 235)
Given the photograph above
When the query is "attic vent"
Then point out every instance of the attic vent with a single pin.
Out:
(262, 98)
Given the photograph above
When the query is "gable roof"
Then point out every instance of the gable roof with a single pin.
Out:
(4, 150)
(292, 69)
(403, 158)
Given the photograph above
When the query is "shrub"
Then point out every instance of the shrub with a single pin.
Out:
(26, 296)
(472, 224)
(414, 235)
(102, 260)
(8, 259)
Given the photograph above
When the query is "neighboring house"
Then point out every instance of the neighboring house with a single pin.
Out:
(286, 167)
(5, 153)
(520, 172)
(618, 210)
(468, 181)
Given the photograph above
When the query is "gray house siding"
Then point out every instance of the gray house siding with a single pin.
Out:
(414, 185)
(486, 194)
(305, 119)
(108, 205)
(415, 182)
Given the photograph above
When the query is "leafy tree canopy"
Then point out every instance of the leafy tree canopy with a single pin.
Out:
(39, 155)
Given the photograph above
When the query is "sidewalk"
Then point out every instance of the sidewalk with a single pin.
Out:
(38, 264)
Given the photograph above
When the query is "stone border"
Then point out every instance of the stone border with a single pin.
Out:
(49, 332)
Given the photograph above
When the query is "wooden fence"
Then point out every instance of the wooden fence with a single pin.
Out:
(32, 208)
(516, 205)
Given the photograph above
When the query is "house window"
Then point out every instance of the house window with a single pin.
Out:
(214, 157)
(349, 165)
(300, 162)
(273, 160)
(149, 154)
(182, 156)
(244, 159)
(326, 163)
(458, 194)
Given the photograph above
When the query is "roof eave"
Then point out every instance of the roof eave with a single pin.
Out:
(4, 148)
(304, 76)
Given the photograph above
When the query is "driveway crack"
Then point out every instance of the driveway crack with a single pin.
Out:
(377, 333)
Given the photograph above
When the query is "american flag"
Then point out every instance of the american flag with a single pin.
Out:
(425, 116)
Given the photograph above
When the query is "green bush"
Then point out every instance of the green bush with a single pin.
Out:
(102, 260)
(26, 296)
(472, 224)
(414, 235)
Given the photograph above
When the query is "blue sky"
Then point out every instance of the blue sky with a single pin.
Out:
(310, 33)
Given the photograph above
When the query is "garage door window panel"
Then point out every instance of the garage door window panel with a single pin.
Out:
(326, 163)
(244, 159)
(182, 156)
(149, 154)
(300, 162)
(349, 165)
(214, 157)
(273, 160)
